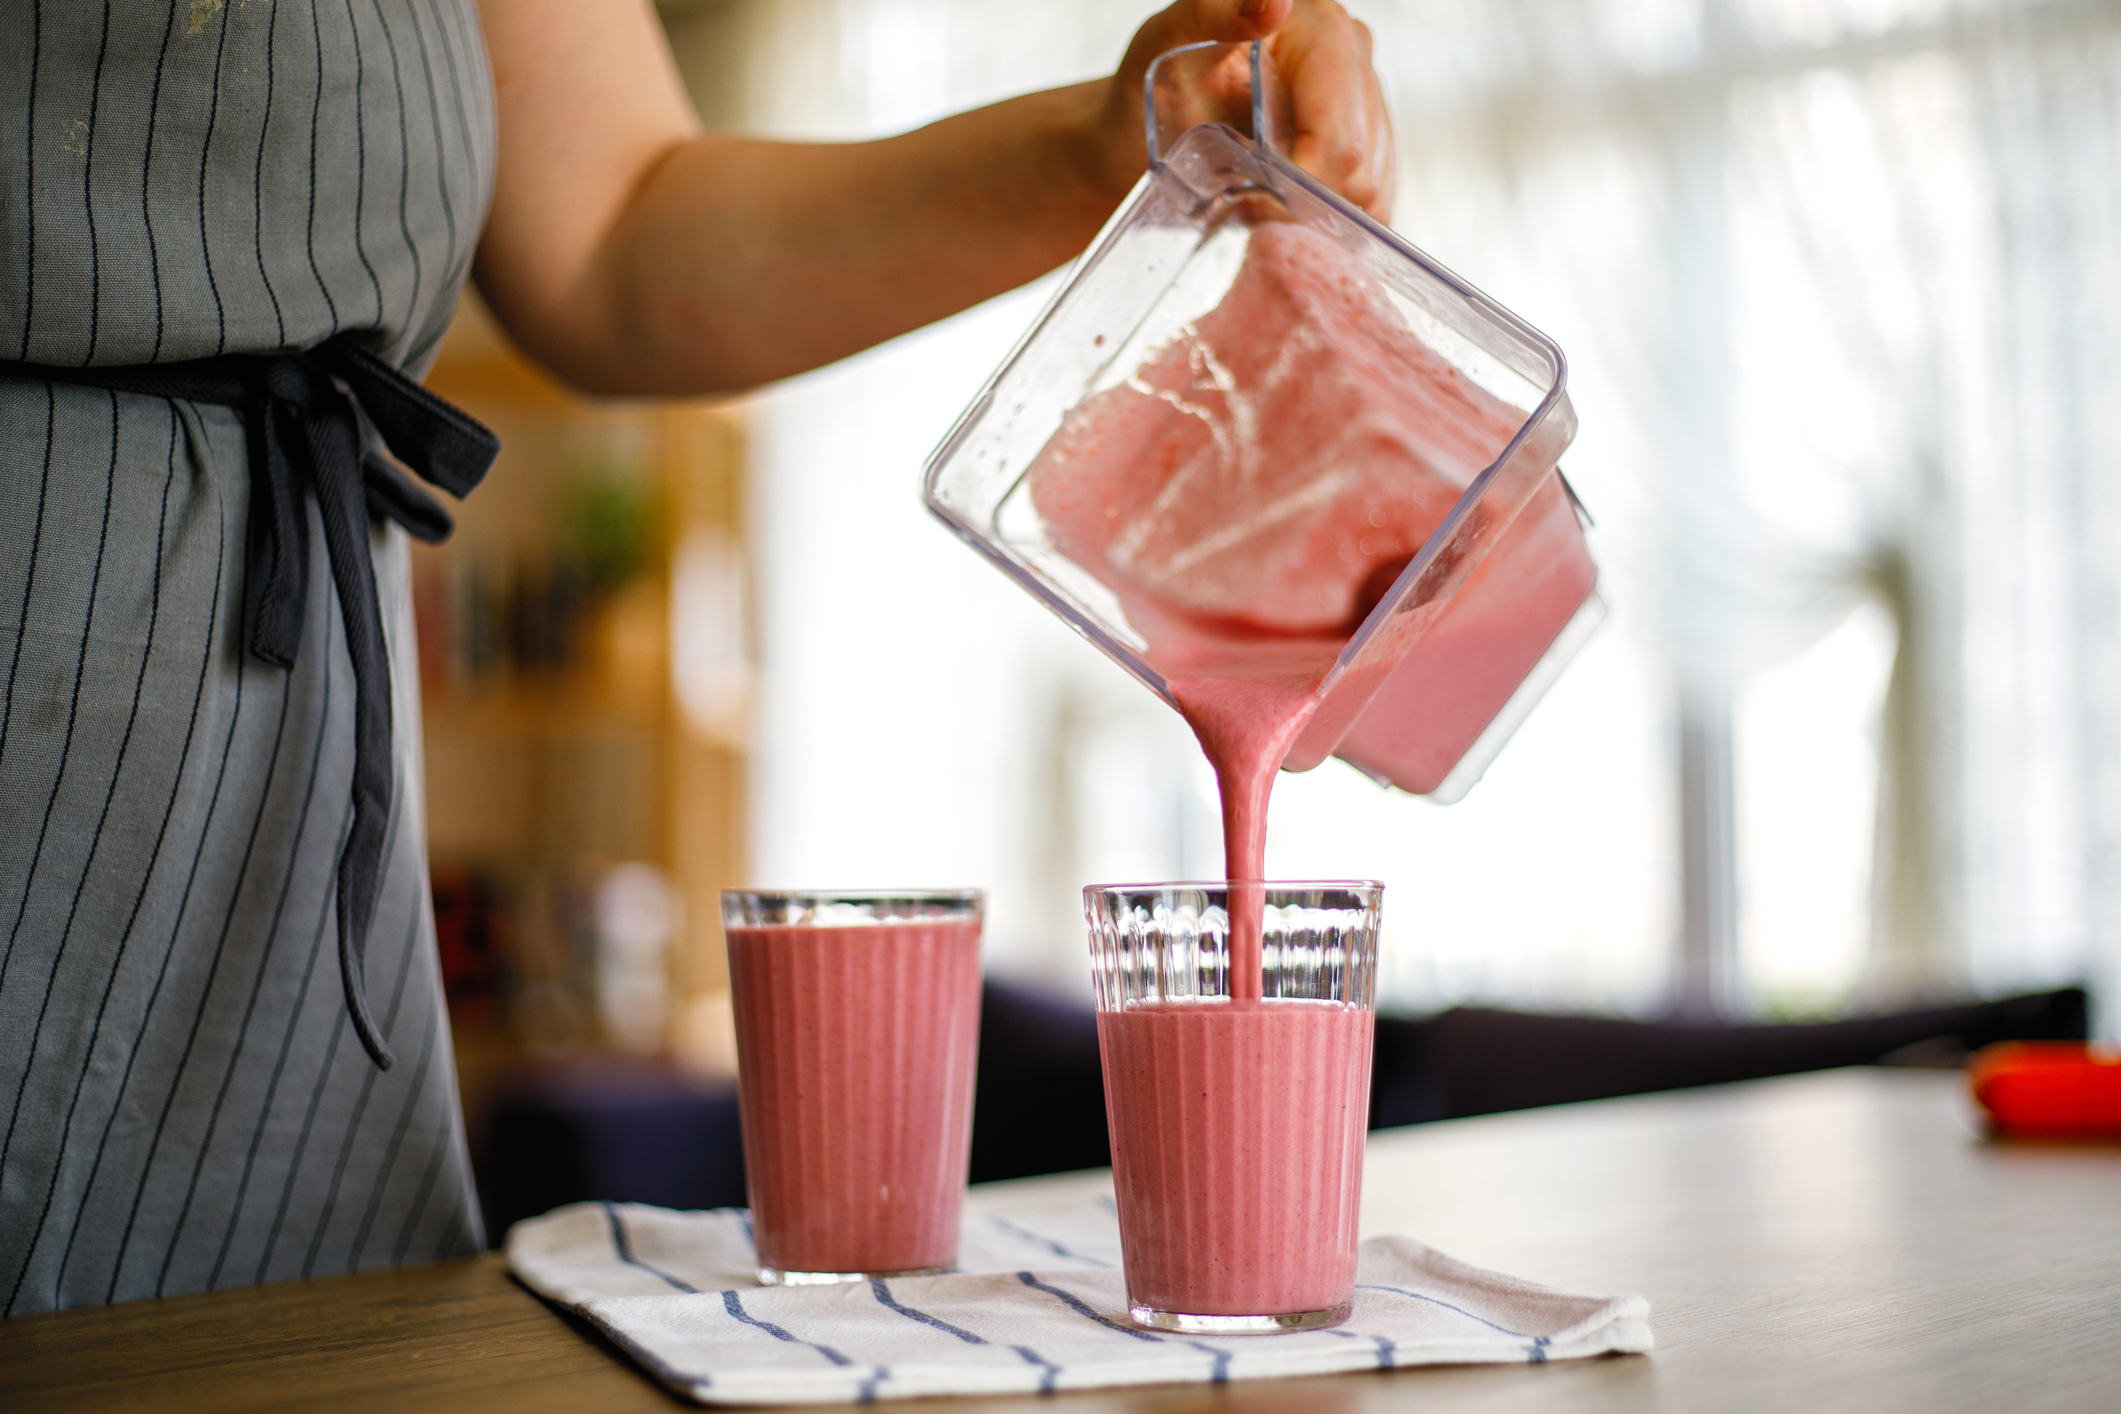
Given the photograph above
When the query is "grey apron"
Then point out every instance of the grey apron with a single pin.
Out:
(184, 1104)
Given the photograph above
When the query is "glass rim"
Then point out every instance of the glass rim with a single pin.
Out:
(1225, 885)
(772, 897)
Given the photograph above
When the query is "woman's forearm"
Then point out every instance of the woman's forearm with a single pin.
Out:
(632, 253)
(739, 261)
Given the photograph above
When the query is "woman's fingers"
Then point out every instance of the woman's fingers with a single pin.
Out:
(1191, 21)
(1343, 133)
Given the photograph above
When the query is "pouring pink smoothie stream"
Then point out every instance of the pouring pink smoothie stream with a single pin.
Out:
(1250, 495)
(1301, 481)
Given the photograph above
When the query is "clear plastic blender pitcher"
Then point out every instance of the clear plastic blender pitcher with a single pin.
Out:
(1333, 449)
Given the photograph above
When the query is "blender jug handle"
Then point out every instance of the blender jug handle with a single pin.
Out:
(1269, 99)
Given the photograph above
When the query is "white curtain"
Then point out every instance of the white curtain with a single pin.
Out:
(1840, 281)
(1842, 278)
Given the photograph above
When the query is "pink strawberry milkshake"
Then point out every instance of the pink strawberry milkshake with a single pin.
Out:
(1237, 1161)
(856, 1046)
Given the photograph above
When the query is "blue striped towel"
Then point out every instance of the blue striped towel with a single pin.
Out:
(1037, 1305)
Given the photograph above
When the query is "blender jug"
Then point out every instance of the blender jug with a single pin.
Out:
(1256, 427)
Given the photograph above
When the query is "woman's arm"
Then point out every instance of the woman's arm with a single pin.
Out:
(632, 253)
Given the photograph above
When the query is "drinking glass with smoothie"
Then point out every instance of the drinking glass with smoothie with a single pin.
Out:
(1238, 1092)
(857, 1029)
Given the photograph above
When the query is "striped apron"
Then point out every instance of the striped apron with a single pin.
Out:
(184, 1102)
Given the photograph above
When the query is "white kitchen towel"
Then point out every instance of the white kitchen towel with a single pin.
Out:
(1037, 1305)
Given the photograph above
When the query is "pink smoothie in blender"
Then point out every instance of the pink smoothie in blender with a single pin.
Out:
(1253, 491)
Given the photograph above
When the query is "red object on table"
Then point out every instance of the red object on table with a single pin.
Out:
(2048, 1089)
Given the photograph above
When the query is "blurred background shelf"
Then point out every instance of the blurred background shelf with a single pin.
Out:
(585, 779)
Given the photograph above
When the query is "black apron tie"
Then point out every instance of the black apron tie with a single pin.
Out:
(307, 410)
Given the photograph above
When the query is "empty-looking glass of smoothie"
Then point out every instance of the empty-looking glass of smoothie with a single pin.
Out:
(857, 1028)
(1237, 1120)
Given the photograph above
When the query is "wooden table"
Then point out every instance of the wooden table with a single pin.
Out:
(1825, 1242)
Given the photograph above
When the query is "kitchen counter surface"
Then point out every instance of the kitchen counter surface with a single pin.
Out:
(1837, 1241)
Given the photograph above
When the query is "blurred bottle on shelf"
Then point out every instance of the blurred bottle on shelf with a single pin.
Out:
(471, 938)
(488, 618)
(637, 916)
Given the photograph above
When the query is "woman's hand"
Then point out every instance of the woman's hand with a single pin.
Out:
(1343, 134)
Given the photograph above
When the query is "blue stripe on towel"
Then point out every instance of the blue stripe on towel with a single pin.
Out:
(1385, 1346)
(624, 1248)
(865, 1394)
(1082, 1308)
(1220, 1374)
(1018, 1230)
(883, 1294)
(735, 1307)
(1048, 1371)
(1433, 1301)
